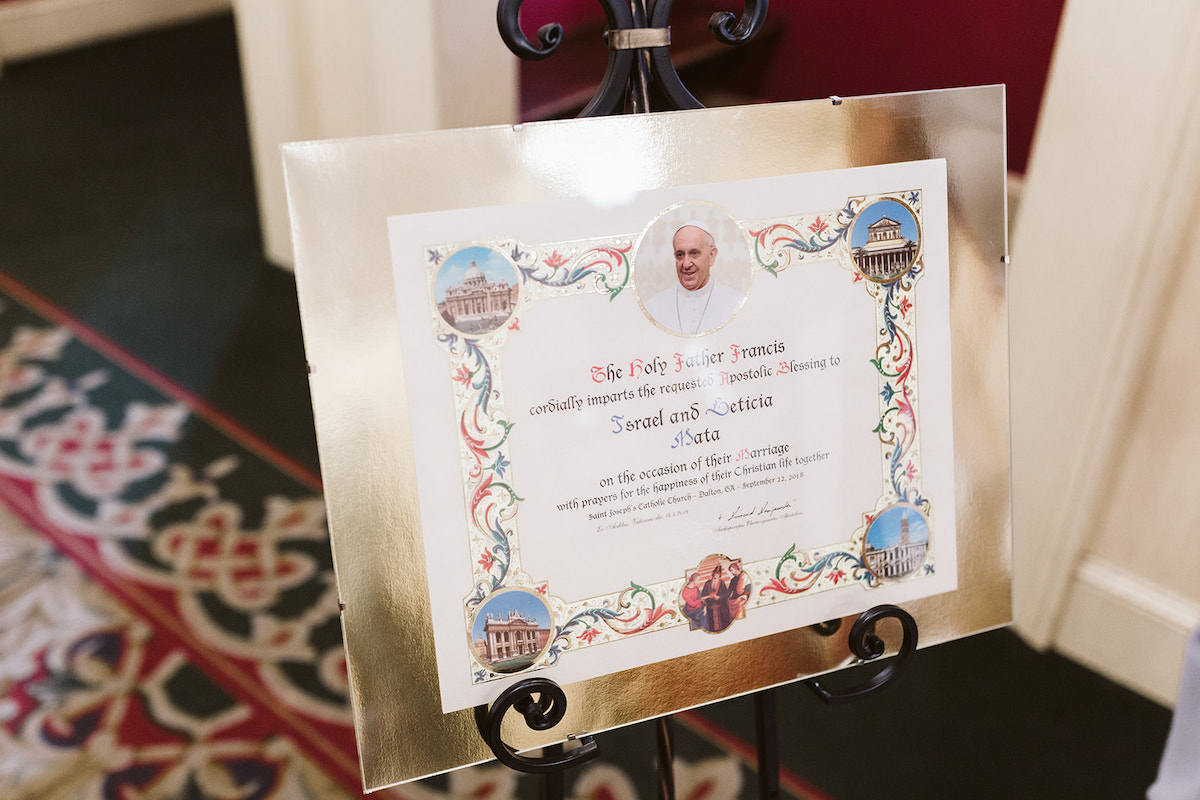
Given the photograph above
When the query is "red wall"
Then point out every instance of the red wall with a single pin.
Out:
(871, 46)
(856, 47)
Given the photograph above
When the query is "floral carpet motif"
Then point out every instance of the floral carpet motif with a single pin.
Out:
(169, 622)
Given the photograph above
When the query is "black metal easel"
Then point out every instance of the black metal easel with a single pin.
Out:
(638, 38)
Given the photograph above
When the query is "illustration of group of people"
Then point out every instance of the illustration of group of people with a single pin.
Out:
(714, 604)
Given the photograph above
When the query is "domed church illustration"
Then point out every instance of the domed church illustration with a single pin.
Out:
(477, 305)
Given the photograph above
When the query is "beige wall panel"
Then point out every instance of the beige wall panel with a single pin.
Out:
(1106, 201)
(1105, 264)
(30, 28)
(1153, 528)
(328, 69)
(477, 73)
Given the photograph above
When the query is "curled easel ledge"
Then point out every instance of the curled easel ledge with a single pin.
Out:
(543, 704)
(867, 646)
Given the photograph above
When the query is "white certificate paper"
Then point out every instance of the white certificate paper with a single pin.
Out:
(651, 425)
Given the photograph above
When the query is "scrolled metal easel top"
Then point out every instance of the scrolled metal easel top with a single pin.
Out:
(638, 39)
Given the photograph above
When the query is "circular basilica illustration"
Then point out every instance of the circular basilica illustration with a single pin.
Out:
(511, 630)
(897, 542)
(884, 240)
(476, 290)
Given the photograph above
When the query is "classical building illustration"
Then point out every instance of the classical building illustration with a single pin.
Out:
(886, 252)
(509, 637)
(901, 558)
(477, 305)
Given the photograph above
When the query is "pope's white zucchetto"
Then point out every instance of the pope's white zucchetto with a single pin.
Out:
(695, 223)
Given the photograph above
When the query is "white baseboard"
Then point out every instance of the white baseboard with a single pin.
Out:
(30, 28)
(1127, 629)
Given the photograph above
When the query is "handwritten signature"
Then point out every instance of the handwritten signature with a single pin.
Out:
(767, 508)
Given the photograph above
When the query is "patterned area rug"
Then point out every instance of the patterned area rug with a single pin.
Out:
(168, 612)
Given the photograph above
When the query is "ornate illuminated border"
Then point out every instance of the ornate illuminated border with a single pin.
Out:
(604, 266)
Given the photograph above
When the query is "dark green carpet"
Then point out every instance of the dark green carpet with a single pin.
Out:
(127, 199)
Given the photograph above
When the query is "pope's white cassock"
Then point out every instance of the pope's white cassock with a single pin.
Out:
(694, 312)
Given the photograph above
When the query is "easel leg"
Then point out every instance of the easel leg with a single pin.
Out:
(665, 730)
(553, 783)
(767, 732)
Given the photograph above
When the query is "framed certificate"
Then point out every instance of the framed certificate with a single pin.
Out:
(631, 403)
